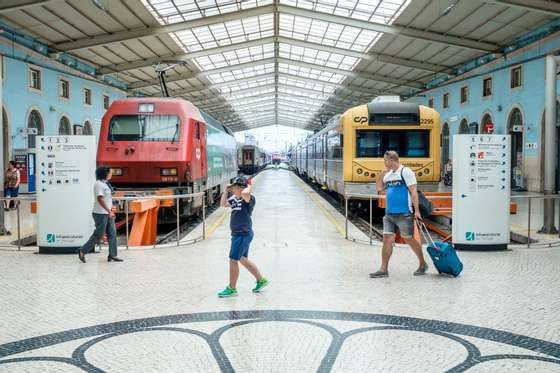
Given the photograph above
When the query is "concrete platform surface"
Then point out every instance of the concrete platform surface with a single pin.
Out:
(158, 310)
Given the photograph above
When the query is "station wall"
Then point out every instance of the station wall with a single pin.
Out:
(516, 111)
(24, 106)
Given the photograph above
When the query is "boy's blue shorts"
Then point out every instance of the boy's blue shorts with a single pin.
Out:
(240, 245)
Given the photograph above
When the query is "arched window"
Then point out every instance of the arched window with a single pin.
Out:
(515, 129)
(34, 121)
(487, 125)
(88, 130)
(463, 127)
(445, 143)
(64, 127)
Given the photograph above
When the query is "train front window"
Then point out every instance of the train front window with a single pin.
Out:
(408, 143)
(144, 128)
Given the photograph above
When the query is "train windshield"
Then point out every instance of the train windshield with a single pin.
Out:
(144, 128)
(409, 144)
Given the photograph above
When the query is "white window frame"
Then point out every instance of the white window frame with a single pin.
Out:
(520, 86)
(90, 96)
(443, 100)
(491, 87)
(461, 94)
(60, 80)
(29, 74)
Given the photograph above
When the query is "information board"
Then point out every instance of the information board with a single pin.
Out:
(481, 191)
(65, 179)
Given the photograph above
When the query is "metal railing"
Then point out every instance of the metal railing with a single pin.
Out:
(177, 198)
(530, 241)
(126, 201)
(17, 201)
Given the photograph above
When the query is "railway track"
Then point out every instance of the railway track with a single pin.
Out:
(362, 223)
(354, 217)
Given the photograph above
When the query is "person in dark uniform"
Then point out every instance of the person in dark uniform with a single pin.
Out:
(103, 216)
(242, 204)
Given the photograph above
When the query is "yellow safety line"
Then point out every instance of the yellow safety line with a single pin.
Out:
(325, 212)
(216, 224)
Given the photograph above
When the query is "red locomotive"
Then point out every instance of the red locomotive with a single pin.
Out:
(166, 146)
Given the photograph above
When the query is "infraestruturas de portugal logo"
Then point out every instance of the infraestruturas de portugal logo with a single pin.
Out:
(470, 236)
(51, 238)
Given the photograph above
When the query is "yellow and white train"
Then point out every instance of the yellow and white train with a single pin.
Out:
(347, 155)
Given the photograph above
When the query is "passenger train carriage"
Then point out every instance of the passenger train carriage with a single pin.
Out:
(166, 146)
(347, 155)
(251, 159)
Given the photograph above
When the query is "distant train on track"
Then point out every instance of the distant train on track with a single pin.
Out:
(347, 155)
(252, 159)
(166, 146)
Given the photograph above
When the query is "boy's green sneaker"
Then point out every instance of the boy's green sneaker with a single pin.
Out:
(227, 292)
(260, 284)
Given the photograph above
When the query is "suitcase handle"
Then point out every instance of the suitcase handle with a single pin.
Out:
(426, 234)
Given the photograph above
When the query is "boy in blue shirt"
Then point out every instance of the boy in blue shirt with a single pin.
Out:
(242, 204)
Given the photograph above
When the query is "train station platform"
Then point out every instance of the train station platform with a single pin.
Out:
(158, 310)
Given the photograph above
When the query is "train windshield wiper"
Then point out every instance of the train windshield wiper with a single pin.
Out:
(176, 132)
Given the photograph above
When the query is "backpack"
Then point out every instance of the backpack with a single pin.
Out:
(425, 205)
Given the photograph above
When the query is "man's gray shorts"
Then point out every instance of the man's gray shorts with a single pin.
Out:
(403, 222)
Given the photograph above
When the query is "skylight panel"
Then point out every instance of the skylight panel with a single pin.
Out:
(236, 74)
(230, 88)
(317, 57)
(221, 34)
(383, 11)
(235, 57)
(311, 73)
(253, 92)
(306, 84)
(172, 11)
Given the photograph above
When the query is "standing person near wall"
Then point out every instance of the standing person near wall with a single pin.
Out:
(448, 173)
(401, 196)
(242, 204)
(11, 185)
(103, 216)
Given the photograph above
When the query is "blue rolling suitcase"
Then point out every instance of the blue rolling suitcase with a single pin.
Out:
(443, 254)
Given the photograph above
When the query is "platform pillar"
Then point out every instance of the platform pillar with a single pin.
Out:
(550, 158)
(3, 229)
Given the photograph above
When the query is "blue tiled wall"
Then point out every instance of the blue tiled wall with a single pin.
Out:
(529, 98)
(19, 99)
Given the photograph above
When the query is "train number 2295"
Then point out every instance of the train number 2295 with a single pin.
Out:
(426, 121)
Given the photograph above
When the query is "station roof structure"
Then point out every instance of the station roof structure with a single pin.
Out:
(254, 63)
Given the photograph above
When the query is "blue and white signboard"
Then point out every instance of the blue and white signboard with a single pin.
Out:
(481, 191)
(65, 177)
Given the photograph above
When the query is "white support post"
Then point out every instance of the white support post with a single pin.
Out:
(550, 158)
(3, 229)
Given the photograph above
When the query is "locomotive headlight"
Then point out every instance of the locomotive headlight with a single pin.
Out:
(426, 171)
(168, 172)
(116, 171)
(359, 171)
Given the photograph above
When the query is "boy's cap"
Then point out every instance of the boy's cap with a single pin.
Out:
(240, 181)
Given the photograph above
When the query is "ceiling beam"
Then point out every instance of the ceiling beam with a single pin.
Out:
(205, 73)
(182, 56)
(13, 5)
(370, 56)
(160, 29)
(547, 7)
(205, 87)
(392, 29)
(353, 73)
